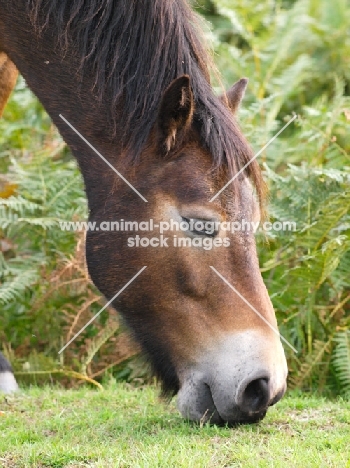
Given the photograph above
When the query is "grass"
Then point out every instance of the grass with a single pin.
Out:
(126, 427)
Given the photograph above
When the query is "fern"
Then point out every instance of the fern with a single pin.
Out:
(311, 364)
(94, 345)
(341, 360)
(12, 289)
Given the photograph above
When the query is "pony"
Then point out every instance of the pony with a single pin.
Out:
(133, 79)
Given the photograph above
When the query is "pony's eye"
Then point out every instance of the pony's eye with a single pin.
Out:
(202, 227)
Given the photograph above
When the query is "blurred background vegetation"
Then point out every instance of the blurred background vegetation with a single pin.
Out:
(296, 55)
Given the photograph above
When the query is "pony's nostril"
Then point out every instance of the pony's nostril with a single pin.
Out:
(255, 396)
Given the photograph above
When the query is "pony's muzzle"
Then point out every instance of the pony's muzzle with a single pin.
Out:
(236, 383)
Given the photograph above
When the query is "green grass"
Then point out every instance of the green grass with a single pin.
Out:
(126, 427)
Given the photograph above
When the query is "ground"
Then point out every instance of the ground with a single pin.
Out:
(126, 427)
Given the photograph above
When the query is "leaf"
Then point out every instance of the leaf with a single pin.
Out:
(341, 359)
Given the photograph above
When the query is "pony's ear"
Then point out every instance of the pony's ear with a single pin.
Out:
(175, 113)
(236, 94)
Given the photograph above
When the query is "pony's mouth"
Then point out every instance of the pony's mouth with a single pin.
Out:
(240, 417)
(203, 410)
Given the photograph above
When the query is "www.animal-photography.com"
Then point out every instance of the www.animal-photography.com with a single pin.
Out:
(174, 233)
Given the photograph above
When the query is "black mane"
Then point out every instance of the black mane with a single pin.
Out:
(135, 48)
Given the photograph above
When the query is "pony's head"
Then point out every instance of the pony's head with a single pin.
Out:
(210, 333)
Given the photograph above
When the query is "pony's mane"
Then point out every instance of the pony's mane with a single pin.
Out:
(135, 49)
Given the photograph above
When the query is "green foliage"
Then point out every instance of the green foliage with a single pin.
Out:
(289, 51)
(341, 360)
(25, 125)
(30, 219)
(29, 155)
(307, 271)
